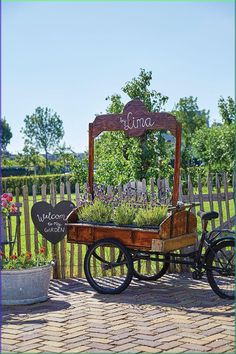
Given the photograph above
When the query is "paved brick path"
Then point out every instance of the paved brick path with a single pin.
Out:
(176, 314)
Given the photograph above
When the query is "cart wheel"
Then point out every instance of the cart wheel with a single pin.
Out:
(147, 267)
(221, 269)
(108, 266)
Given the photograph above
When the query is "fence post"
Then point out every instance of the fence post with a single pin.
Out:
(210, 197)
(44, 199)
(55, 248)
(226, 191)
(18, 223)
(36, 246)
(27, 218)
(63, 243)
(68, 191)
(80, 253)
(219, 199)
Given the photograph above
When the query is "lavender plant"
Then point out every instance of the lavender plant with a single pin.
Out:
(150, 216)
(124, 214)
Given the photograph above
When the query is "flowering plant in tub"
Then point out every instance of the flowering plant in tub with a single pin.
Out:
(25, 278)
(8, 207)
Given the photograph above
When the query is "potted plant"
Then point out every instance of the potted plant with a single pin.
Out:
(121, 212)
(25, 278)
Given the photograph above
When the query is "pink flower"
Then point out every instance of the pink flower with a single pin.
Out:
(13, 208)
(4, 203)
(7, 196)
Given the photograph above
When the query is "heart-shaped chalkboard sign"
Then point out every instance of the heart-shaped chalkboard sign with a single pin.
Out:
(50, 221)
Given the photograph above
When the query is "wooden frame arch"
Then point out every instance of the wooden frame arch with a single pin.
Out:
(134, 121)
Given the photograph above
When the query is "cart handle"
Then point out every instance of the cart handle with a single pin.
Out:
(182, 206)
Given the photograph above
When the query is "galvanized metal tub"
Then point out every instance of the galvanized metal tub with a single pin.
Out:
(25, 286)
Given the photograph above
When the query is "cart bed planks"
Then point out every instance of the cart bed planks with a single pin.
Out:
(178, 230)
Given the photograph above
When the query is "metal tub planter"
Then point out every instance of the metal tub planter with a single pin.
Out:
(25, 286)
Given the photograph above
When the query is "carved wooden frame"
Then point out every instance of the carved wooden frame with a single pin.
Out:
(134, 121)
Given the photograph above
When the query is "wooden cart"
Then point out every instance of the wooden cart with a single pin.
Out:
(127, 245)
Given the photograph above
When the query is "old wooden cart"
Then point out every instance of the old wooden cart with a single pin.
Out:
(117, 253)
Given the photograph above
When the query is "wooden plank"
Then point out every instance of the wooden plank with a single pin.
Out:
(174, 244)
(26, 218)
(36, 245)
(200, 195)
(209, 186)
(226, 192)
(80, 251)
(205, 197)
(180, 190)
(55, 248)
(152, 193)
(9, 234)
(219, 199)
(44, 198)
(144, 189)
(72, 248)
(77, 194)
(63, 243)
(18, 224)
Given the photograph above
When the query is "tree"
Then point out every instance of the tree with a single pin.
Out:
(64, 154)
(119, 158)
(215, 147)
(30, 157)
(227, 109)
(6, 134)
(192, 118)
(43, 130)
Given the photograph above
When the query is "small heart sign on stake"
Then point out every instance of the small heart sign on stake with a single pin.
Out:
(50, 221)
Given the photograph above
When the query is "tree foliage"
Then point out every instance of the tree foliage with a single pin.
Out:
(43, 130)
(119, 158)
(215, 147)
(227, 109)
(30, 157)
(6, 134)
(192, 119)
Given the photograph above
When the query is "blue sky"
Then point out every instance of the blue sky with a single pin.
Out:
(70, 56)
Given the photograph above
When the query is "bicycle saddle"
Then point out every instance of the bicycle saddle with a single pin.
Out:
(208, 215)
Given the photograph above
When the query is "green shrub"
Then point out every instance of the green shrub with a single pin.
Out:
(96, 212)
(150, 216)
(11, 183)
(124, 214)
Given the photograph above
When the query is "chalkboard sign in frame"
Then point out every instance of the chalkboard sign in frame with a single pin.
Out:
(135, 121)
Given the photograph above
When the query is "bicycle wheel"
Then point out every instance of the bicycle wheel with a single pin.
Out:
(150, 266)
(221, 269)
(108, 266)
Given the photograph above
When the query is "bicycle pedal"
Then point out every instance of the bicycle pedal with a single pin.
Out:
(197, 275)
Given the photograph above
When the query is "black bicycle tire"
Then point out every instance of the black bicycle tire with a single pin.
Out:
(155, 276)
(129, 265)
(210, 276)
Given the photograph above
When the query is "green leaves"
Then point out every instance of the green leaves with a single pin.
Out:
(6, 134)
(227, 109)
(43, 129)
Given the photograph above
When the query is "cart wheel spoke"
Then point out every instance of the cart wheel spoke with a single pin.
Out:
(149, 266)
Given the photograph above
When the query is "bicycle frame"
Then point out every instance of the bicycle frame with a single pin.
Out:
(197, 262)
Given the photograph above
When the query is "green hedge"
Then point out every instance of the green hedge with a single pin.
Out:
(9, 184)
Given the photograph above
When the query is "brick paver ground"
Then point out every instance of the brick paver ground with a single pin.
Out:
(175, 314)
